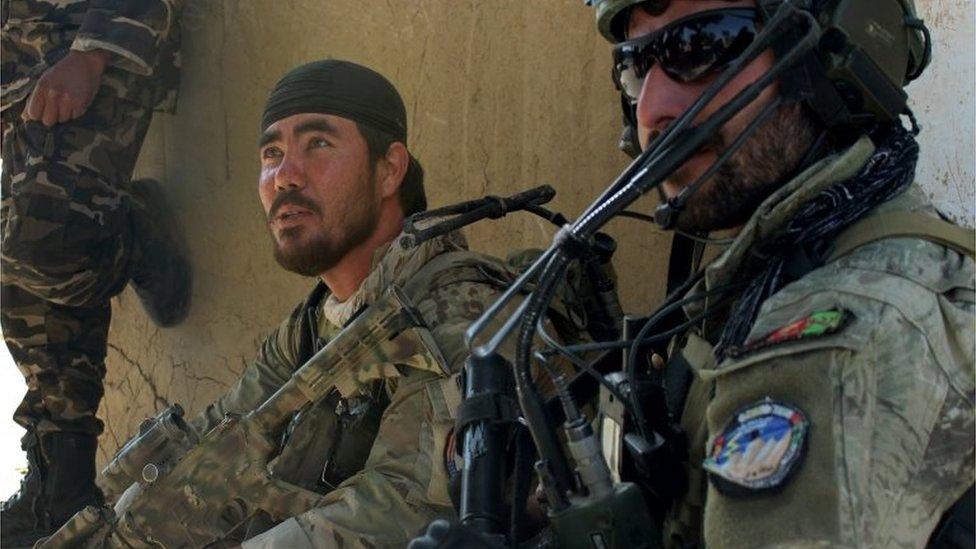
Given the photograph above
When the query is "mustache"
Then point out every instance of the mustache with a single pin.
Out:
(294, 198)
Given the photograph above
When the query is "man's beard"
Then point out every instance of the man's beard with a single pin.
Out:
(320, 251)
(753, 172)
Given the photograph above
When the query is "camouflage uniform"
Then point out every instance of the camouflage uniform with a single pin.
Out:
(67, 233)
(889, 395)
(379, 456)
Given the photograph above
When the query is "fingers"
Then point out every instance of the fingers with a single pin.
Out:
(51, 107)
(35, 105)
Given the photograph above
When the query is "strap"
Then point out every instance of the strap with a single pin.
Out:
(491, 407)
(308, 343)
(904, 224)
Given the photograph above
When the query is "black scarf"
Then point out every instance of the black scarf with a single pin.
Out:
(888, 173)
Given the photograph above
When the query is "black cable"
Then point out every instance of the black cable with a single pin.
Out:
(919, 25)
(569, 351)
(642, 339)
(636, 215)
(705, 240)
(475, 329)
(555, 218)
(545, 438)
(586, 368)
(702, 239)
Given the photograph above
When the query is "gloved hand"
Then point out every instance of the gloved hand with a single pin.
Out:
(443, 534)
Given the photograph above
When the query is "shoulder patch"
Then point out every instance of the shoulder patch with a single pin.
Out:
(758, 450)
(817, 324)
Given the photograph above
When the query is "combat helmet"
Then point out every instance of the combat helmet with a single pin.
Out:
(867, 51)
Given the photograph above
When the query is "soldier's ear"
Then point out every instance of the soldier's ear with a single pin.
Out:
(394, 168)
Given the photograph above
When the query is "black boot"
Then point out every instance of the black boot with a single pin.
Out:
(60, 481)
(20, 516)
(161, 272)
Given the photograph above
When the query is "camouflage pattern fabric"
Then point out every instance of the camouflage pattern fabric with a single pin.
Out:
(889, 396)
(402, 482)
(65, 252)
(143, 34)
(67, 240)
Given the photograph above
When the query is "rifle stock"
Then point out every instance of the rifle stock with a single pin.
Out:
(203, 492)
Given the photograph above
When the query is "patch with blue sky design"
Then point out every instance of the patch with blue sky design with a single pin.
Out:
(759, 450)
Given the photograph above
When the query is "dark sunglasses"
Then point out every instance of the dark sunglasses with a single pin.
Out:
(688, 49)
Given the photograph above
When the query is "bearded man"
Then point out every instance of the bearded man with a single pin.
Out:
(832, 401)
(336, 183)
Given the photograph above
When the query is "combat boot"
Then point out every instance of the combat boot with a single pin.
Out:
(20, 517)
(161, 272)
(60, 481)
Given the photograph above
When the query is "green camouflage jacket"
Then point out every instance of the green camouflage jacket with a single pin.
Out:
(847, 419)
(391, 488)
(143, 35)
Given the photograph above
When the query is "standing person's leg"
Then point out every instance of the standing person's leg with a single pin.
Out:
(60, 351)
(69, 244)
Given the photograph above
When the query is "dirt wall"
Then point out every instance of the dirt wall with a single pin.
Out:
(501, 96)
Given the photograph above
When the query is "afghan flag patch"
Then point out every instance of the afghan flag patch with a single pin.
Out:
(758, 450)
(818, 324)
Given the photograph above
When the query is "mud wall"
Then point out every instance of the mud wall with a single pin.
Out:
(501, 96)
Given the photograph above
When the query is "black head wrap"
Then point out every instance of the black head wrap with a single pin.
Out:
(341, 88)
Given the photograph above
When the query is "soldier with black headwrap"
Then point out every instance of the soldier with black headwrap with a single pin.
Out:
(336, 183)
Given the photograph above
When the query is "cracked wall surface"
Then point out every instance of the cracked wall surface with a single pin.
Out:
(501, 96)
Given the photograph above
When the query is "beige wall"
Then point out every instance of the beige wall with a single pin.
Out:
(501, 96)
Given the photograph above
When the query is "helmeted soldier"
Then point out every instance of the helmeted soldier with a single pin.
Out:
(833, 384)
(80, 81)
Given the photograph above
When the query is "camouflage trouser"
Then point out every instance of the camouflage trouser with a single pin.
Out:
(66, 248)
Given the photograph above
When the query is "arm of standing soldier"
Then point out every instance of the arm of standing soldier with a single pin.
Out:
(403, 485)
(66, 89)
(132, 30)
(125, 34)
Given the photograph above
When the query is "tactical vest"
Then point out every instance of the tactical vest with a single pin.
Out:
(692, 353)
(329, 442)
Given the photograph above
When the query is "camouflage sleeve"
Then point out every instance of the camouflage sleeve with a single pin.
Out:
(876, 438)
(403, 484)
(133, 30)
(269, 371)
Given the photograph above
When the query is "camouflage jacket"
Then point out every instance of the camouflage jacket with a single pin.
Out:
(142, 35)
(392, 478)
(866, 364)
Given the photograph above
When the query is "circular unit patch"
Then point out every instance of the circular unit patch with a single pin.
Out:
(758, 450)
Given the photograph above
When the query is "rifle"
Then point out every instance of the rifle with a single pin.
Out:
(191, 491)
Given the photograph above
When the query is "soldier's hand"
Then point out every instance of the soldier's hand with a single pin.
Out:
(65, 90)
